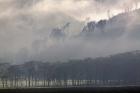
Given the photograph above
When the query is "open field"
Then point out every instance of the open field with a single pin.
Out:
(117, 89)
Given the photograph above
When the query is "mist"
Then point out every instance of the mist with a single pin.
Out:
(29, 29)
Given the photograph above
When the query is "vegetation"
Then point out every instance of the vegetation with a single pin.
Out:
(120, 69)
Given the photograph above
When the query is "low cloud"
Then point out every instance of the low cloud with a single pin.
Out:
(82, 9)
(27, 25)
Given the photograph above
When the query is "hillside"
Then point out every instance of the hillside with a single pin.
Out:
(119, 69)
(127, 24)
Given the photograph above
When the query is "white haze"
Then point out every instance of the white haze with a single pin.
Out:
(25, 27)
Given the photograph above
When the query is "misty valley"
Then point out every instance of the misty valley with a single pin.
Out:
(116, 70)
(69, 45)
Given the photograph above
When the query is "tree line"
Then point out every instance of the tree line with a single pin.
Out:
(120, 69)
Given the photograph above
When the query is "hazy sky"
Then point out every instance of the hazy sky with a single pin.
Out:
(25, 27)
(79, 9)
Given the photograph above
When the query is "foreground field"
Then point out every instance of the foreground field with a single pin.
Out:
(126, 89)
